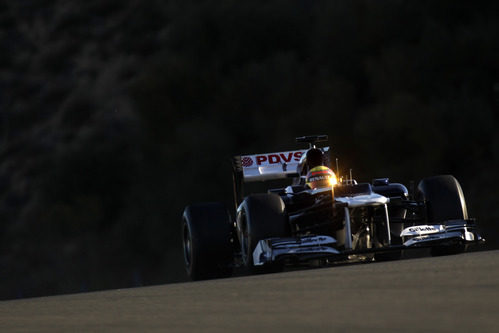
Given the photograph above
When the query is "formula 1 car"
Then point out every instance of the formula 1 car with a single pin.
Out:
(299, 224)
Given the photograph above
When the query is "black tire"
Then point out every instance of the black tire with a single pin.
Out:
(444, 201)
(444, 198)
(260, 216)
(206, 233)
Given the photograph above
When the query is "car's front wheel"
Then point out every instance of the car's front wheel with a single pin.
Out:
(260, 216)
(444, 201)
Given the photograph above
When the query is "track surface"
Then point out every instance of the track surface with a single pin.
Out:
(453, 293)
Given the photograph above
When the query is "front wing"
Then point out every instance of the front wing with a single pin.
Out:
(305, 248)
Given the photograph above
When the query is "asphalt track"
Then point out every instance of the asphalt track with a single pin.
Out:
(443, 294)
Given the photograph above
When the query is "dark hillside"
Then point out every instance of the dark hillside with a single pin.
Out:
(116, 114)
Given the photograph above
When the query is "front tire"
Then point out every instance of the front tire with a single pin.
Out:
(207, 246)
(260, 216)
(444, 198)
(444, 201)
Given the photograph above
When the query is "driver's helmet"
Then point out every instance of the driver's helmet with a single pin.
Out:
(320, 176)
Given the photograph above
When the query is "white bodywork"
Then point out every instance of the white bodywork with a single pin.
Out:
(373, 199)
(269, 250)
(433, 237)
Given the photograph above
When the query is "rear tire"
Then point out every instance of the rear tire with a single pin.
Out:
(444, 201)
(207, 246)
(260, 216)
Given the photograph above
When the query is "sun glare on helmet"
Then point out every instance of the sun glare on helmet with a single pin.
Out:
(332, 180)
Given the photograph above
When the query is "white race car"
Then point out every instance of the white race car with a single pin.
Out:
(339, 220)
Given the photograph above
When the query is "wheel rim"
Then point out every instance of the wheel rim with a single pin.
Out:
(187, 243)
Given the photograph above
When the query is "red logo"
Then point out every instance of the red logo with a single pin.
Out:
(278, 158)
(247, 162)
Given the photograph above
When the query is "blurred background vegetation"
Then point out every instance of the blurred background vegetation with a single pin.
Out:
(116, 114)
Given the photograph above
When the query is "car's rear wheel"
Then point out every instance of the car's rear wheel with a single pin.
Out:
(261, 216)
(444, 201)
(206, 233)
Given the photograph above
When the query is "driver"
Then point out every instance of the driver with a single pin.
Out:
(320, 177)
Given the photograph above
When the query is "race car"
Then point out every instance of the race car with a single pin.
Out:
(319, 216)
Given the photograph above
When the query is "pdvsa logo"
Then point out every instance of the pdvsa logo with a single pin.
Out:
(279, 158)
(247, 161)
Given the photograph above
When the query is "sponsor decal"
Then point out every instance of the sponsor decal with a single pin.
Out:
(318, 178)
(247, 161)
(278, 158)
(423, 228)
